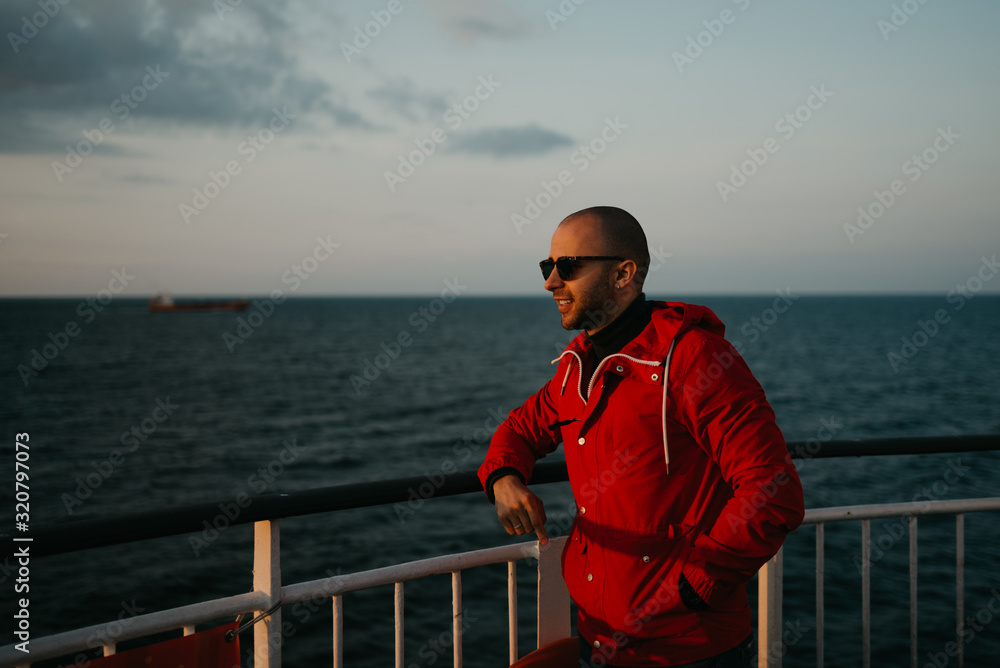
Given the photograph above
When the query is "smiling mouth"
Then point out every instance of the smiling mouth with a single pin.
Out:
(564, 304)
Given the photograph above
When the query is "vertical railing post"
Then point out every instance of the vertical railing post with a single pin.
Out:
(914, 619)
(820, 598)
(400, 634)
(960, 587)
(267, 579)
(553, 597)
(456, 618)
(512, 611)
(866, 593)
(338, 632)
(769, 650)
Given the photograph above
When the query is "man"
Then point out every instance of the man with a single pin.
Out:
(683, 483)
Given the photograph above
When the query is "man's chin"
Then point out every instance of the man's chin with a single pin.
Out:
(570, 322)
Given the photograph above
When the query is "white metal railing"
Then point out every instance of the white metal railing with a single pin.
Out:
(553, 612)
(166, 620)
(770, 647)
(553, 618)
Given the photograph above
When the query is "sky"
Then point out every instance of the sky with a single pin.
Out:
(238, 147)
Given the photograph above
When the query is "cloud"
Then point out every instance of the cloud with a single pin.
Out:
(220, 68)
(402, 98)
(473, 20)
(143, 178)
(50, 133)
(511, 142)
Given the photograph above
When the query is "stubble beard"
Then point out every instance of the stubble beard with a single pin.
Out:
(585, 305)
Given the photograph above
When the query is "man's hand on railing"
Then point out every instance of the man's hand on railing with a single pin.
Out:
(519, 510)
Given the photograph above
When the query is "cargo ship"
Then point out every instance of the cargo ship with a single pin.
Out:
(164, 303)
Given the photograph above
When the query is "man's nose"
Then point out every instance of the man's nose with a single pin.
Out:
(554, 282)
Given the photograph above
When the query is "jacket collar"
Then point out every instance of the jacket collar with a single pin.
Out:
(669, 320)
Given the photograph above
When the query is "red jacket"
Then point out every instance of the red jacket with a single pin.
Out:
(694, 479)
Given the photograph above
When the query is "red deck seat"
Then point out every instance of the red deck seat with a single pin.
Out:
(563, 653)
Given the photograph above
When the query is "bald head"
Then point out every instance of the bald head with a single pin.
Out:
(619, 232)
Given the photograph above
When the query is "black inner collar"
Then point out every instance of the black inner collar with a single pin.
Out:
(622, 329)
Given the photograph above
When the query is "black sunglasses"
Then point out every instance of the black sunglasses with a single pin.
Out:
(566, 265)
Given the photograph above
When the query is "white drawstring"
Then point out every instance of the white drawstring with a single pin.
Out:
(666, 377)
(590, 387)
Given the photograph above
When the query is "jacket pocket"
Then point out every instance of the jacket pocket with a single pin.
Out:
(642, 596)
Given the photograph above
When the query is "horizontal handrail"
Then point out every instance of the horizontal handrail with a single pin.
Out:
(72, 536)
(61, 644)
(413, 570)
(907, 509)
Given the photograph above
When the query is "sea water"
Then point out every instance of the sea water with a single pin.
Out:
(134, 411)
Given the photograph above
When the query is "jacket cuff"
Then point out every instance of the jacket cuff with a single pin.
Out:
(496, 475)
(710, 591)
(690, 597)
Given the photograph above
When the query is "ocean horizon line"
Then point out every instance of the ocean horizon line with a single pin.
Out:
(304, 297)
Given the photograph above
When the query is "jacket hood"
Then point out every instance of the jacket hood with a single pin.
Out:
(669, 320)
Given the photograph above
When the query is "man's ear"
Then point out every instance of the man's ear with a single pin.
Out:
(626, 272)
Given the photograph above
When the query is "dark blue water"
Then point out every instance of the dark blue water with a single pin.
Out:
(199, 408)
